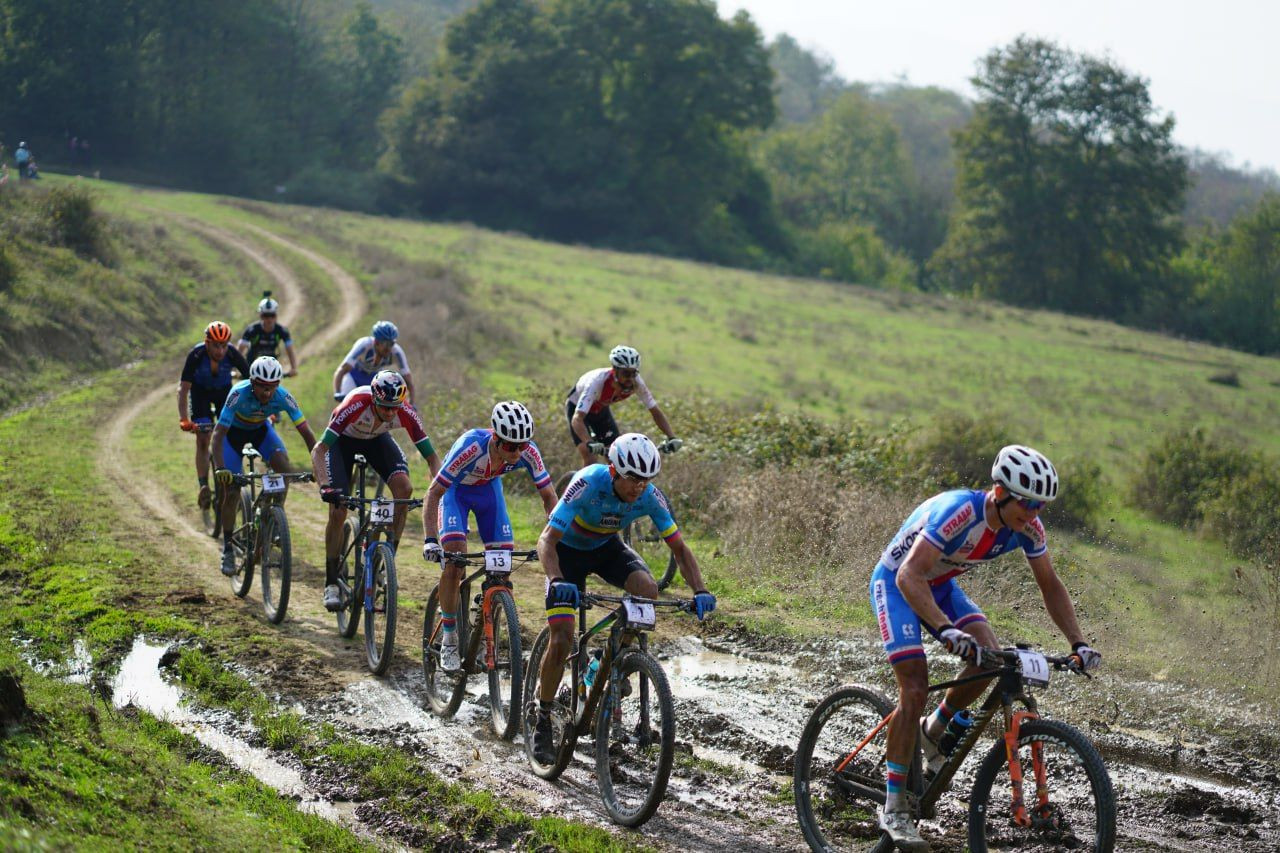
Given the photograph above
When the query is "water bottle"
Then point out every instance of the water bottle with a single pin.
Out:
(955, 730)
(593, 666)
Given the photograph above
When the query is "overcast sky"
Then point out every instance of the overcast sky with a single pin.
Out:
(1215, 66)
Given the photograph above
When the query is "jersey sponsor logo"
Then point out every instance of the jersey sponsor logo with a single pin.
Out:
(535, 458)
(463, 458)
(882, 612)
(957, 521)
(1035, 531)
(662, 499)
(577, 487)
(610, 519)
(233, 399)
(898, 551)
(347, 411)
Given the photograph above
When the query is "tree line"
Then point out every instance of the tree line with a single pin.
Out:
(657, 125)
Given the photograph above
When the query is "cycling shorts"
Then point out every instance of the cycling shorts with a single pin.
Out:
(206, 404)
(382, 453)
(601, 426)
(613, 562)
(486, 501)
(264, 438)
(353, 380)
(900, 626)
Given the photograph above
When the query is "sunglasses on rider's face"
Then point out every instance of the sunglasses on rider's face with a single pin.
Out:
(265, 386)
(266, 315)
(625, 372)
(512, 446)
(1029, 504)
(642, 481)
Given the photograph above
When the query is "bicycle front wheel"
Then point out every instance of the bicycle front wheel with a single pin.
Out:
(242, 544)
(380, 610)
(351, 580)
(635, 730)
(1077, 810)
(444, 690)
(277, 564)
(834, 780)
(506, 678)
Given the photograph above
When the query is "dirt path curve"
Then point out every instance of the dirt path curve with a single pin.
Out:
(153, 498)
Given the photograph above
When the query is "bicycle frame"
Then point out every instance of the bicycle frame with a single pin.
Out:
(367, 530)
(257, 499)
(493, 582)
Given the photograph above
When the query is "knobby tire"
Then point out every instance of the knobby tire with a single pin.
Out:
(241, 542)
(351, 572)
(504, 701)
(380, 618)
(444, 690)
(276, 571)
(566, 733)
(633, 760)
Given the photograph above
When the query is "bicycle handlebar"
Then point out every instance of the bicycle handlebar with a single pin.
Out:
(300, 476)
(590, 598)
(1008, 660)
(477, 557)
(351, 502)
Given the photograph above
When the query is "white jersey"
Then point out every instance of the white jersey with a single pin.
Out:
(597, 389)
(365, 358)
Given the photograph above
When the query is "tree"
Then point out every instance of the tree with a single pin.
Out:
(1069, 185)
(1237, 300)
(807, 83)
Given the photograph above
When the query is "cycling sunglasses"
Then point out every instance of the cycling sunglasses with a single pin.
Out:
(626, 372)
(1028, 503)
(512, 446)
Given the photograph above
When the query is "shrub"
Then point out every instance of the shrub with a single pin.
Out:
(1245, 515)
(73, 221)
(1185, 472)
(8, 269)
(1082, 496)
(957, 452)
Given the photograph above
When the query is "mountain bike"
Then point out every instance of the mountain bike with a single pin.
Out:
(628, 709)
(641, 535)
(494, 616)
(367, 571)
(260, 536)
(1057, 791)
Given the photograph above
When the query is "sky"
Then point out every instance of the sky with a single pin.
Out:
(1214, 66)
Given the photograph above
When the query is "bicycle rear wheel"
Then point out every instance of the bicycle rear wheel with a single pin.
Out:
(635, 732)
(642, 537)
(444, 690)
(507, 676)
(351, 577)
(565, 732)
(242, 544)
(1079, 811)
(833, 814)
(380, 610)
(277, 563)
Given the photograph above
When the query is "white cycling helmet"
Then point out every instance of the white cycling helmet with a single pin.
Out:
(1026, 473)
(625, 356)
(512, 421)
(268, 305)
(266, 369)
(634, 454)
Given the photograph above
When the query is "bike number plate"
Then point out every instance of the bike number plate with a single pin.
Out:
(497, 562)
(1035, 669)
(273, 484)
(640, 615)
(381, 512)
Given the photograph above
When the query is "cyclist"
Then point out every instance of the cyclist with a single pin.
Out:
(244, 420)
(362, 424)
(591, 423)
(914, 583)
(471, 482)
(581, 538)
(265, 336)
(376, 351)
(202, 390)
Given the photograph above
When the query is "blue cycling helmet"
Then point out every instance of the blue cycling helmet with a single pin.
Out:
(385, 330)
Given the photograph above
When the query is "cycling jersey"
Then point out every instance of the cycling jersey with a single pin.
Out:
(243, 411)
(589, 512)
(261, 342)
(355, 418)
(955, 523)
(469, 462)
(598, 389)
(198, 369)
(364, 358)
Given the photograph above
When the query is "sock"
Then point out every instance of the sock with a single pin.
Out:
(938, 720)
(226, 541)
(330, 571)
(449, 622)
(894, 780)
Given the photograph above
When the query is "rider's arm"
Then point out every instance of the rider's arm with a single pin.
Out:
(660, 419)
(913, 583)
(687, 562)
(431, 511)
(239, 362)
(217, 450)
(547, 555)
(579, 426)
(304, 430)
(184, 392)
(1057, 601)
(408, 383)
(343, 370)
(243, 346)
(293, 360)
(549, 498)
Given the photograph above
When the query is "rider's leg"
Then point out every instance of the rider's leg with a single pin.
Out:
(231, 446)
(912, 675)
(575, 565)
(964, 695)
(401, 489)
(202, 458)
(455, 508)
(388, 460)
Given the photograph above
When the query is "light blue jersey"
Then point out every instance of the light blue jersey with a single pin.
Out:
(243, 411)
(589, 511)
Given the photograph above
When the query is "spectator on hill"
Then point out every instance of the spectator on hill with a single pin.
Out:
(21, 158)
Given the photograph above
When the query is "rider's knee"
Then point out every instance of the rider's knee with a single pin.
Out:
(912, 696)
(643, 585)
(400, 486)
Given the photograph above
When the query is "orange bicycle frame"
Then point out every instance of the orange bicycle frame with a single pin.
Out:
(486, 610)
(1012, 729)
(844, 762)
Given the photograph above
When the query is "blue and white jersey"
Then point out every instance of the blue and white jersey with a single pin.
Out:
(243, 411)
(955, 523)
(589, 511)
(365, 358)
(469, 462)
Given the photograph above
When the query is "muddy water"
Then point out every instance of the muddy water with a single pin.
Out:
(140, 683)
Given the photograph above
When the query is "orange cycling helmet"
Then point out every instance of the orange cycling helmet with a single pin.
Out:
(217, 332)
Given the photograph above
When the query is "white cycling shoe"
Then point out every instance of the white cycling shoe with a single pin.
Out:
(933, 757)
(449, 659)
(901, 828)
(332, 598)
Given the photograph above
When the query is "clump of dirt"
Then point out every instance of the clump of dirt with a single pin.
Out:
(13, 702)
(1189, 801)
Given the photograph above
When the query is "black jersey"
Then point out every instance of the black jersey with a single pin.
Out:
(198, 369)
(262, 342)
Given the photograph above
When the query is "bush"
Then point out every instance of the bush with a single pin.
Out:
(957, 452)
(73, 221)
(1246, 515)
(8, 270)
(1082, 496)
(1184, 473)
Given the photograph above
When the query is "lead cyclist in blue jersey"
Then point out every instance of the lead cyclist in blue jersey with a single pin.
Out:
(374, 352)
(581, 538)
(914, 584)
(244, 420)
